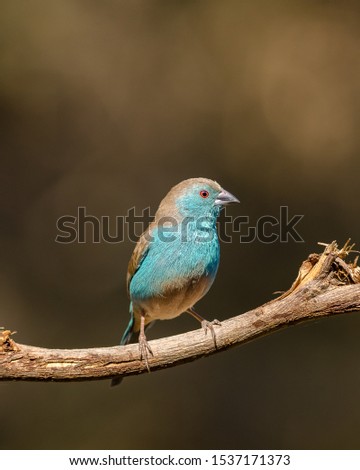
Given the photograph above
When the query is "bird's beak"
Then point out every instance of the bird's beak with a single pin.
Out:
(224, 197)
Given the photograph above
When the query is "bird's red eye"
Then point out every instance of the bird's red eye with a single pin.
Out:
(204, 194)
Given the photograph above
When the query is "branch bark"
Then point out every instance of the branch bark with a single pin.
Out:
(326, 285)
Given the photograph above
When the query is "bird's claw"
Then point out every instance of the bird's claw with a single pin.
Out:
(145, 349)
(209, 325)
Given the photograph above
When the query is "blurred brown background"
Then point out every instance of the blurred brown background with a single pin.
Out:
(107, 105)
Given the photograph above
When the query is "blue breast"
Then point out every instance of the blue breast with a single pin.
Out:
(175, 258)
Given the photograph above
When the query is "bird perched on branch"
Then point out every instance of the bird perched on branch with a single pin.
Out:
(175, 260)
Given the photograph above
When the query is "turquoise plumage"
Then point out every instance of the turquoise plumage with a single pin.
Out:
(175, 261)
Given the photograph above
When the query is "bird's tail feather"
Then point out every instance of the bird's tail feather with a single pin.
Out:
(126, 337)
(116, 381)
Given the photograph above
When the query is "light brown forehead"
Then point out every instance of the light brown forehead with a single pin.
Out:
(194, 182)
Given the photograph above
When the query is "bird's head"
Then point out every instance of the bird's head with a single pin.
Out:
(196, 197)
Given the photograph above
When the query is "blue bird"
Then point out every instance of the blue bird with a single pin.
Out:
(176, 259)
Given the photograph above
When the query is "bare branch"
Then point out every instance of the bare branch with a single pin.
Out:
(326, 285)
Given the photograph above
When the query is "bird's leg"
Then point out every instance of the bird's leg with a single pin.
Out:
(144, 346)
(206, 325)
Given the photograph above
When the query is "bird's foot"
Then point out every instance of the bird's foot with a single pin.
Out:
(209, 325)
(145, 350)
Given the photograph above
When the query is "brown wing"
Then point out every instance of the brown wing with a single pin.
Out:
(140, 251)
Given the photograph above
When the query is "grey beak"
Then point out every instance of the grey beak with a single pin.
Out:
(224, 197)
